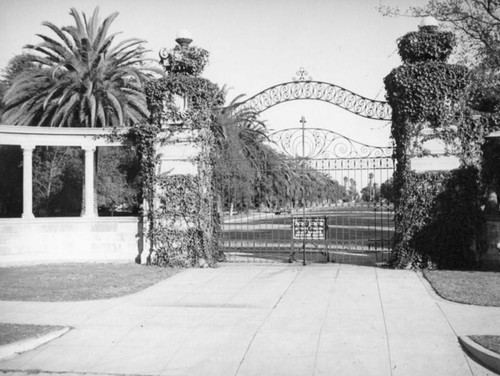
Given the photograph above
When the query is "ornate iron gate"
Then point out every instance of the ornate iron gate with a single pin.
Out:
(358, 220)
(351, 221)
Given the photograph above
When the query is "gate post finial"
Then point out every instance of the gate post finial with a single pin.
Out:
(183, 38)
(301, 75)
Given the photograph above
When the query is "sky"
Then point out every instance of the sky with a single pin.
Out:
(253, 44)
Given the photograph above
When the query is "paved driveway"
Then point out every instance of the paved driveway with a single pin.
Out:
(261, 320)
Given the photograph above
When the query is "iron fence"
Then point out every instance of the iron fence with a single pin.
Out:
(346, 184)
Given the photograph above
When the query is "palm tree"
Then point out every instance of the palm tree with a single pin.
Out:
(370, 186)
(83, 80)
(80, 78)
(239, 136)
(237, 124)
(246, 165)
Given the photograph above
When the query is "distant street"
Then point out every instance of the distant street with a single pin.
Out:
(359, 230)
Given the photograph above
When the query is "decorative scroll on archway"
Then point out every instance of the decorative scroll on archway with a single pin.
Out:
(305, 88)
(322, 143)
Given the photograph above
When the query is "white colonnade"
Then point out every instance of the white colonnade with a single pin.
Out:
(30, 137)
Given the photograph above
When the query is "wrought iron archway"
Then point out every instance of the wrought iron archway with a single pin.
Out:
(345, 191)
(304, 87)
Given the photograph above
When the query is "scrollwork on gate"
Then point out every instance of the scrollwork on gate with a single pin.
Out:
(302, 89)
(316, 143)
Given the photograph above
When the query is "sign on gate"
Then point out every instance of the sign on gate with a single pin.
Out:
(312, 228)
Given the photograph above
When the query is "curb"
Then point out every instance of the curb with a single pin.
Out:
(12, 349)
(432, 292)
(485, 356)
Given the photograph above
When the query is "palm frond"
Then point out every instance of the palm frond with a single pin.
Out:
(101, 116)
(116, 106)
(60, 33)
(103, 47)
(80, 26)
(92, 25)
(103, 30)
(115, 51)
(92, 107)
(55, 46)
(76, 35)
(81, 77)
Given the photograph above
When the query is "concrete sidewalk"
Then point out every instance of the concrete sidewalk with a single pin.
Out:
(261, 320)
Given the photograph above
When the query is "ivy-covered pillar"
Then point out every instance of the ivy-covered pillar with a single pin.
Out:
(491, 175)
(183, 219)
(437, 209)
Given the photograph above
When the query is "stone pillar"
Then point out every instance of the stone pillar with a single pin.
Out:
(28, 181)
(88, 210)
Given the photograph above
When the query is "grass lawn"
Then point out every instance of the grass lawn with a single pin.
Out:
(469, 287)
(490, 342)
(77, 282)
(10, 333)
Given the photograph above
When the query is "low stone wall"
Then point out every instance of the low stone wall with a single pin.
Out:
(492, 256)
(46, 240)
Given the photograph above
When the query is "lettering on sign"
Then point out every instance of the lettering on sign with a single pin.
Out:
(311, 228)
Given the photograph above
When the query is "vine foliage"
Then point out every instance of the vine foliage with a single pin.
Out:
(186, 60)
(425, 45)
(438, 216)
(202, 98)
(437, 221)
(181, 209)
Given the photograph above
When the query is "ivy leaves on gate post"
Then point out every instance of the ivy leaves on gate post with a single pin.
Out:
(426, 92)
(183, 223)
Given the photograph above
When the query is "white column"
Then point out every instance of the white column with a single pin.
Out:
(89, 181)
(28, 181)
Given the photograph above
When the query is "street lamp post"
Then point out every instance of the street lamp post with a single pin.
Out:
(303, 122)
